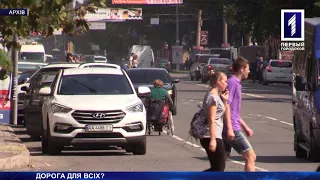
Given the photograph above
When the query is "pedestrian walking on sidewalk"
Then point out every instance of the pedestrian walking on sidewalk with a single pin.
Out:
(240, 142)
(214, 108)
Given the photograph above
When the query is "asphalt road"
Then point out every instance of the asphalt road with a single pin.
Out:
(266, 109)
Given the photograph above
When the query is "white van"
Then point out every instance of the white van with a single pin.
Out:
(145, 55)
(32, 52)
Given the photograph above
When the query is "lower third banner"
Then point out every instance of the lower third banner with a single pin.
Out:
(159, 175)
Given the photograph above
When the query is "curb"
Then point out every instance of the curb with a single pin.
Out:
(21, 156)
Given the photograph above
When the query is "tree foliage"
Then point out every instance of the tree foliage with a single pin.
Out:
(44, 17)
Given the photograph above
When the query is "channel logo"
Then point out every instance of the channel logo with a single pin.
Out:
(292, 24)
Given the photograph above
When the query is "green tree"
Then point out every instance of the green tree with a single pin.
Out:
(44, 17)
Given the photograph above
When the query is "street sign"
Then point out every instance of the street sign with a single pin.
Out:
(177, 54)
(204, 38)
(154, 21)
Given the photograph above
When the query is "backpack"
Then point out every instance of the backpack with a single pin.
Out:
(155, 110)
(198, 126)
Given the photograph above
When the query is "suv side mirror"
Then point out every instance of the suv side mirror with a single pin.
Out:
(300, 83)
(45, 91)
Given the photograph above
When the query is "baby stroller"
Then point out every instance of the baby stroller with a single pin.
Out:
(159, 118)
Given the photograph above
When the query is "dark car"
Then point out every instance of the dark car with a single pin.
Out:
(163, 62)
(146, 77)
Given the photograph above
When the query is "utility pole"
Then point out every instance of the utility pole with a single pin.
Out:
(177, 26)
(225, 31)
(14, 91)
(199, 24)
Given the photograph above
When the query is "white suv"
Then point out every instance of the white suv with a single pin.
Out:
(93, 106)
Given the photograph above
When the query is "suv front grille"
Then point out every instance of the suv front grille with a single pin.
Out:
(100, 117)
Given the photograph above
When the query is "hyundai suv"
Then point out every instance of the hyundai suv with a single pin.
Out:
(93, 106)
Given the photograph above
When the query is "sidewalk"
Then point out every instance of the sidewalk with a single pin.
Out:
(13, 154)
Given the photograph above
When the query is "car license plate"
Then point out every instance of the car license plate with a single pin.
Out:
(98, 128)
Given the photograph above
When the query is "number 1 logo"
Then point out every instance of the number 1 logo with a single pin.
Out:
(292, 25)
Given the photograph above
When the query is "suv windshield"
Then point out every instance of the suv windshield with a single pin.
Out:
(220, 61)
(147, 77)
(94, 84)
(283, 64)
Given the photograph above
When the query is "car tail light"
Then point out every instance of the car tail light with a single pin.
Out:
(269, 69)
(209, 67)
(230, 68)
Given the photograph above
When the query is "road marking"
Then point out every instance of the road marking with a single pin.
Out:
(191, 100)
(286, 123)
(201, 149)
(47, 164)
(274, 119)
(203, 85)
(176, 137)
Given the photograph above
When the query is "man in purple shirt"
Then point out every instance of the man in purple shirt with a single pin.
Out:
(239, 142)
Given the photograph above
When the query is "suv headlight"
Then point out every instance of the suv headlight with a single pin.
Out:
(170, 92)
(58, 108)
(135, 108)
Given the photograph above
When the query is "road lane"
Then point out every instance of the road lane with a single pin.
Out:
(266, 109)
(272, 141)
(164, 153)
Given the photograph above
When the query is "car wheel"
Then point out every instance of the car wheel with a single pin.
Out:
(300, 152)
(314, 150)
(128, 148)
(264, 82)
(44, 140)
(53, 149)
(174, 112)
(140, 148)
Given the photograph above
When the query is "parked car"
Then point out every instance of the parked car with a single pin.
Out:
(306, 95)
(26, 70)
(146, 77)
(82, 108)
(198, 64)
(277, 71)
(216, 64)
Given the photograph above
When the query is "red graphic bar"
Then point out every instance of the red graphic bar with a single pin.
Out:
(147, 1)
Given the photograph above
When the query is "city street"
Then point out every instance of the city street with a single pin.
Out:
(266, 109)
